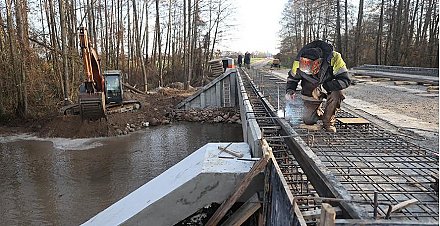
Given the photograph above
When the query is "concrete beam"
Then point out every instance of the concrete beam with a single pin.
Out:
(204, 177)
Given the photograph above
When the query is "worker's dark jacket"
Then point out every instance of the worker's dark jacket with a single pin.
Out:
(247, 58)
(333, 74)
(240, 59)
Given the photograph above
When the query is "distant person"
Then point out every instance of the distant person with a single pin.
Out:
(247, 60)
(240, 60)
(323, 75)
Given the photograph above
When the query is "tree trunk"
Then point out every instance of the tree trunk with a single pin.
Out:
(390, 33)
(12, 50)
(194, 58)
(379, 36)
(358, 36)
(129, 47)
(419, 26)
(64, 51)
(22, 33)
(338, 26)
(346, 28)
(189, 52)
(408, 42)
(159, 45)
(138, 44)
(397, 38)
(217, 22)
(433, 38)
(73, 47)
(167, 39)
(146, 46)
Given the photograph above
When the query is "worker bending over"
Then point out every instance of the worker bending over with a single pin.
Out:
(323, 75)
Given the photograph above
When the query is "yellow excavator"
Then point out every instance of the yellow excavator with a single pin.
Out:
(100, 94)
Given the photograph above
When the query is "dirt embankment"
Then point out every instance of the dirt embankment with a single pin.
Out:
(157, 109)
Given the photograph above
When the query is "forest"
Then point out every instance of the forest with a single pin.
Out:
(383, 32)
(157, 42)
(153, 42)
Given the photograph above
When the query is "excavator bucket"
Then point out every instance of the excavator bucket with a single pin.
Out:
(92, 106)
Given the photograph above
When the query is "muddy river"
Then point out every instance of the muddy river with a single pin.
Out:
(66, 182)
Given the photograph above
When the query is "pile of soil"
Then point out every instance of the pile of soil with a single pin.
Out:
(157, 108)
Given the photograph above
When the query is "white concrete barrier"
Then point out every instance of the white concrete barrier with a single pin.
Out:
(204, 177)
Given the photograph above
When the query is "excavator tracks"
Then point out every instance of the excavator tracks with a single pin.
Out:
(91, 107)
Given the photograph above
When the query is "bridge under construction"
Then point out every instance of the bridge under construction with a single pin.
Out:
(300, 175)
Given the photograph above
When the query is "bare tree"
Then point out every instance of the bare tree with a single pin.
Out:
(22, 35)
(379, 35)
(159, 45)
(396, 41)
(338, 26)
(64, 51)
(358, 35)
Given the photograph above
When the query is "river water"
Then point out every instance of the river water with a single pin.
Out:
(66, 182)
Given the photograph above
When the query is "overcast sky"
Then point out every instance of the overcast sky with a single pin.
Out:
(258, 26)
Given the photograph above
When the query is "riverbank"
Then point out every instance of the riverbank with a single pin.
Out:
(157, 109)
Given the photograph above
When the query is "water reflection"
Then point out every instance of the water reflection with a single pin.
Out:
(41, 183)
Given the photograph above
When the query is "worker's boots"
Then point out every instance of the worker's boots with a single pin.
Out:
(334, 100)
(329, 125)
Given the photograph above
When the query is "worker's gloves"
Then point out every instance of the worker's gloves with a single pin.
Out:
(290, 95)
(319, 93)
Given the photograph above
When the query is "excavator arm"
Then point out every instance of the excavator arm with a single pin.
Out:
(92, 98)
(91, 60)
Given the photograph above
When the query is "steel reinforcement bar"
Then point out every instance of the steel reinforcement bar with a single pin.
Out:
(370, 173)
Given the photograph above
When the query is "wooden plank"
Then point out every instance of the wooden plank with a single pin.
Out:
(227, 204)
(328, 215)
(225, 149)
(403, 205)
(244, 212)
(361, 76)
(314, 214)
(261, 218)
(381, 79)
(265, 212)
(399, 83)
(432, 89)
(353, 120)
(315, 127)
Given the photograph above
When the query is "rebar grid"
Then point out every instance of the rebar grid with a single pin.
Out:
(367, 159)
(293, 174)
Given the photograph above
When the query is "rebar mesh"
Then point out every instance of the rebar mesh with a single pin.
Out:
(363, 157)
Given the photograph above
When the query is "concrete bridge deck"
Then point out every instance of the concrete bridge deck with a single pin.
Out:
(368, 175)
